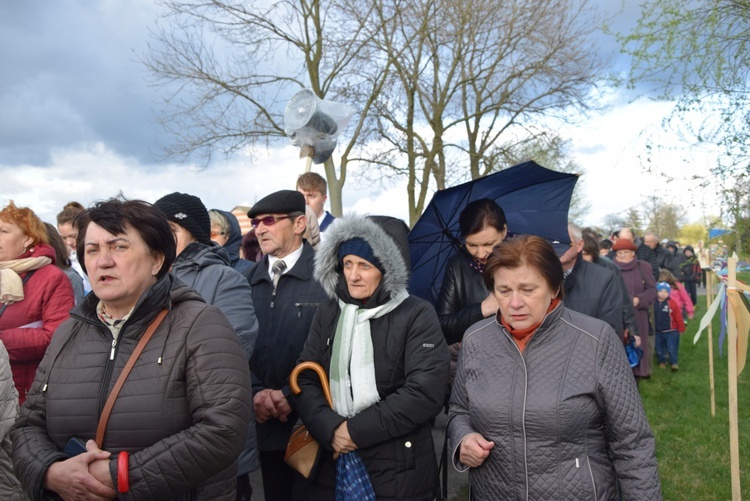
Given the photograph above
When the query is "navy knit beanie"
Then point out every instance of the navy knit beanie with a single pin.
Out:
(189, 212)
(359, 247)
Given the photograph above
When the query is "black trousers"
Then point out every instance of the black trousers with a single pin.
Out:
(280, 482)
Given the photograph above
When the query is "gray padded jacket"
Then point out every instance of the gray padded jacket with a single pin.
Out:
(565, 415)
(10, 487)
(182, 413)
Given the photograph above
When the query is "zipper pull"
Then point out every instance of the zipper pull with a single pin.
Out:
(112, 351)
(578, 464)
(44, 388)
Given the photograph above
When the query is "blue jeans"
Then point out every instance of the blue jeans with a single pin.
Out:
(667, 344)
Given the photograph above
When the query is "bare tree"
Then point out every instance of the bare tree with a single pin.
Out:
(233, 66)
(438, 84)
(467, 75)
(664, 219)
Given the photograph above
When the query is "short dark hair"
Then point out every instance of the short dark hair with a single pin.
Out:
(532, 251)
(116, 213)
(606, 244)
(480, 213)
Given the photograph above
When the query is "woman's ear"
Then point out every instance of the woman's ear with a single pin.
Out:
(158, 263)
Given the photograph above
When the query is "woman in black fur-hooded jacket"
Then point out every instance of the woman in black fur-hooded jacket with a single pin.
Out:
(363, 265)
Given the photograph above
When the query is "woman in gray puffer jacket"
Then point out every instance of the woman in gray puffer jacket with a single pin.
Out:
(544, 405)
(180, 420)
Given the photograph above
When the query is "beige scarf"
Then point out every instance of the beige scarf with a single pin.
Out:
(11, 285)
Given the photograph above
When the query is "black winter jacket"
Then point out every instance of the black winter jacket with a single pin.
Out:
(411, 369)
(646, 253)
(594, 291)
(459, 305)
(182, 413)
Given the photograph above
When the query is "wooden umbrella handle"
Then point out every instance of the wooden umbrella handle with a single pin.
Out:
(321, 374)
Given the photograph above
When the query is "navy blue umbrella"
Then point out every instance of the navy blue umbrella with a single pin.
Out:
(535, 201)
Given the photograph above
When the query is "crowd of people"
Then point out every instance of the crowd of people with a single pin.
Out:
(146, 350)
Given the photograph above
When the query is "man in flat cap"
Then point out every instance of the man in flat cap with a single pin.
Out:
(286, 297)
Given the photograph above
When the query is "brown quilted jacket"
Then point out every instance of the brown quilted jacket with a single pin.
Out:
(182, 413)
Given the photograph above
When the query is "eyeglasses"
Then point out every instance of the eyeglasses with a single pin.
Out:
(267, 221)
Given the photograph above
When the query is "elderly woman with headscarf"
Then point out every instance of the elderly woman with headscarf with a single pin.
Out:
(386, 359)
(35, 296)
(544, 405)
(180, 419)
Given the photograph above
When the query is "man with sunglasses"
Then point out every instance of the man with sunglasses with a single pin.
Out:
(285, 296)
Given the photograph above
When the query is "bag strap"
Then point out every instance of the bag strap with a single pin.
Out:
(102, 426)
(23, 282)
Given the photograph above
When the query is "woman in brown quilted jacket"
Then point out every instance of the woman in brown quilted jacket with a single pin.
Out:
(180, 420)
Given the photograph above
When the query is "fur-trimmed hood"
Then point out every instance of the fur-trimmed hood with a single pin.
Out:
(386, 235)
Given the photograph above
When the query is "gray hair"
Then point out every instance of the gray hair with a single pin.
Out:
(220, 220)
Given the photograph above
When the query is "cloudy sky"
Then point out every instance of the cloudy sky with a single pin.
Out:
(78, 121)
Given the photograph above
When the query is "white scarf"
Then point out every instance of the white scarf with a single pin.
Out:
(353, 386)
(11, 285)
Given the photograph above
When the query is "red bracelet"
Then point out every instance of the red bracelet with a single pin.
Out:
(123, 481)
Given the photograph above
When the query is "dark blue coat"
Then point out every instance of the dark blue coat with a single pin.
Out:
(283, 331)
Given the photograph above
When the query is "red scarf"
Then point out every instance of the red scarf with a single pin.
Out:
(523, 336)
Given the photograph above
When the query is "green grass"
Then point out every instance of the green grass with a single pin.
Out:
(692, 447)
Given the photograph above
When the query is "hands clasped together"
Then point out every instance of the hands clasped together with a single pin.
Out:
(269, 404)
(82, 477)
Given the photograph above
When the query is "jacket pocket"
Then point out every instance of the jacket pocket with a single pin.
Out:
(306, 310)
(582, 483)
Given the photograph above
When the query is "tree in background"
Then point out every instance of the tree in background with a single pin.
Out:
(654, 215)
(698, 53)
(437, 84)
(469, 78)
(234, 66)
(612, 223)
(691, 234)
(664, 219)
(634, 221)
(737, 211)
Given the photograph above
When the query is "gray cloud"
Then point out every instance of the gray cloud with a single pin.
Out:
(73, 78)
